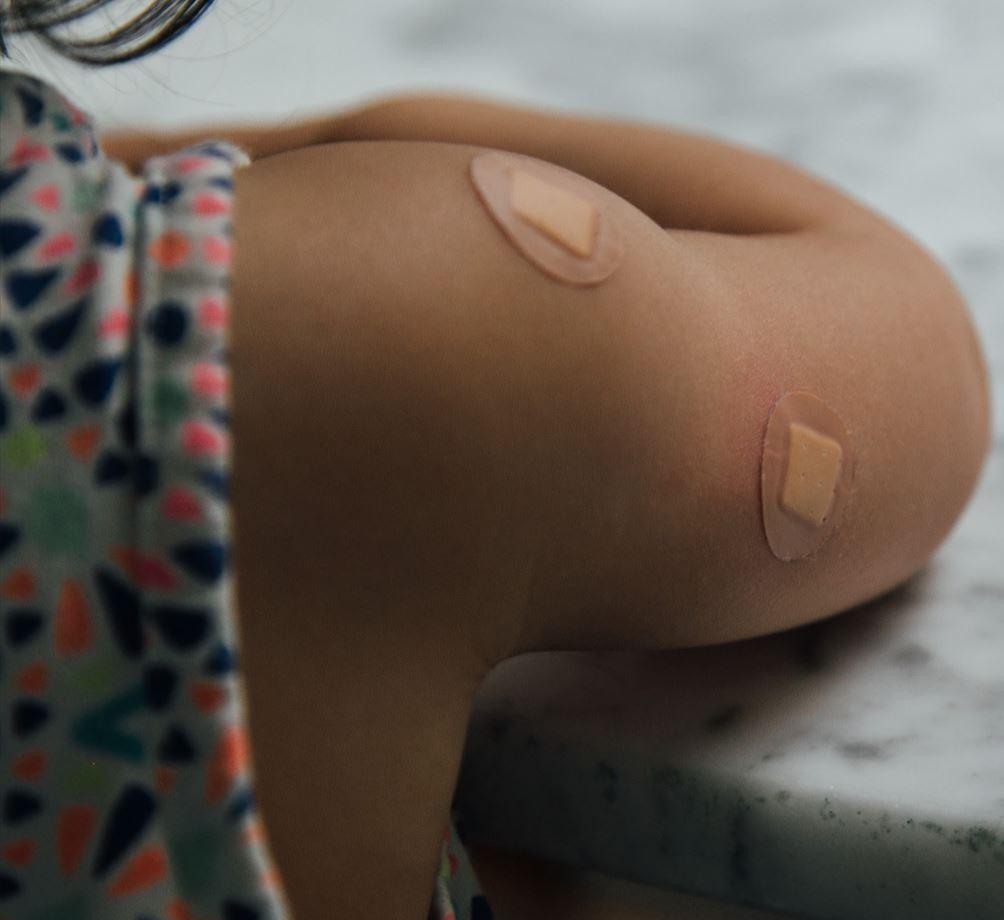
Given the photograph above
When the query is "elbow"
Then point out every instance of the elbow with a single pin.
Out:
(874, 327)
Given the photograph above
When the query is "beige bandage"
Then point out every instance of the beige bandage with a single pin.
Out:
(553, 216)
(805, 475)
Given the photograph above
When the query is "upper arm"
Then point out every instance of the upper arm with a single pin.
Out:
(431, 396)
(443, 418)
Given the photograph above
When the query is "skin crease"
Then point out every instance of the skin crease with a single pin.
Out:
(650, 536)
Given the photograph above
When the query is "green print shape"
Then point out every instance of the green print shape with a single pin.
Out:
(171, 402)
(73, 908)
(57, 521)
(87, 195)
(60, 122)
(194, 858)
(91, 679)
(23, 448)
(99, 730)
(87, 778)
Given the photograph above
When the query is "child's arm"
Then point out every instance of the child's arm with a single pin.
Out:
(442, 454)
(648, 393)
(680, 179)
(133, 146)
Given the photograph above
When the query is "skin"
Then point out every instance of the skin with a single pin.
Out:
(444, 458)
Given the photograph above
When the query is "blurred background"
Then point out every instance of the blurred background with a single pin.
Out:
(898, 102)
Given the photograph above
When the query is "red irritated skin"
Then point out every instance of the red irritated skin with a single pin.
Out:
(898, 369)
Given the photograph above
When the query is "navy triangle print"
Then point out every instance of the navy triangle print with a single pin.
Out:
(19, 805)
(237, 910)
(110, 468)
(70, 152)
(217, 482)
(121, 603)
(9, 535)
(176, 747)
(25, 287)
(128, 819)
(9, 886)
(8, 344)
(202, 559)
(31, 105)
(8, 177)
(159, 682)
(181, 628)
(50, 405)
(163, 194)
(29, 717)
(22, 625)
(16, 234)
(108, 230)
(54, 334)
(94, 381)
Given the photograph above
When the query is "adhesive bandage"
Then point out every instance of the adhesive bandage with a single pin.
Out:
(554, 217)
(805, 475)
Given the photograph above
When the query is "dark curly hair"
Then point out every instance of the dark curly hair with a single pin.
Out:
(159, 22)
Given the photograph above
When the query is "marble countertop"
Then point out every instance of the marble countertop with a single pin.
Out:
(852, 769)
(846, 770)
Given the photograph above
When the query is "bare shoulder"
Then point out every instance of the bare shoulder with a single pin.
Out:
(409, 385)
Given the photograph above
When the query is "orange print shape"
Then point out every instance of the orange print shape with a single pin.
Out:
(229, 759)
(19, 853)
(24, 380)
(20, 586)
(144, 870)
(73, 832)
(170, 249)
(33, 678)
(74, 628)
(82, 441)
(29, 766)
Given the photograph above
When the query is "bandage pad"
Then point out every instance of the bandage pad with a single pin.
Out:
(806, 474)
(554, 217)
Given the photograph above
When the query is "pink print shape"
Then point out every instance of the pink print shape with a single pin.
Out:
(213, 313)
(216, 250)
(209, 379)
(117, 322)
(83, 277)
(146, 571)
(47, 197)
(181, 505)
(58, 246)
(25, 151)
(190, 164)
(200, 439)
(209, 205)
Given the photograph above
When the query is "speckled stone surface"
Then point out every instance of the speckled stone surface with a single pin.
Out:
(850, 770)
